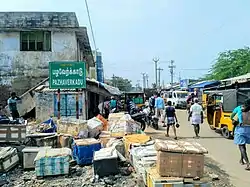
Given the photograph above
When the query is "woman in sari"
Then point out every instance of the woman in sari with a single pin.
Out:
(242, 132)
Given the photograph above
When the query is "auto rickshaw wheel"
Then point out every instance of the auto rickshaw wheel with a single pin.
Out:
(225, 132)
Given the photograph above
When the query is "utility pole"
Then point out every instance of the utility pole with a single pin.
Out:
(147, 80)
(138, 85)
(159, 78)
(144, 80)
(156, 60)
(113, 81)
(171, 68)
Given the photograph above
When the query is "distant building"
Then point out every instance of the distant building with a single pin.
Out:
(99, 66)
(30, 40)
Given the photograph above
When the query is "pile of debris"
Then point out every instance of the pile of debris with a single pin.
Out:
(98, 152)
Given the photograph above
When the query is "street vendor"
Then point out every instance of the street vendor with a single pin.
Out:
(12, 104)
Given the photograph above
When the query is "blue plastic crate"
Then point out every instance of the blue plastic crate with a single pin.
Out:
(83, 154)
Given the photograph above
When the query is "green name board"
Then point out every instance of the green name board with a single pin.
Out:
(67, 75)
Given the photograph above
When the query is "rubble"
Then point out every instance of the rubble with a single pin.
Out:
(80, 176)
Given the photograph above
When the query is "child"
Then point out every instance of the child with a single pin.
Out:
(170, 118)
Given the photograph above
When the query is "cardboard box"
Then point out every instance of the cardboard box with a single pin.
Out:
(71, 126)
(104, 137)
(169, 164)
(192, 165)
(180, 165)
(29, 155)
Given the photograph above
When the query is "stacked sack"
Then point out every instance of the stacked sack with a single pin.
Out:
(179, 158)
(121, 125)
(143, 157)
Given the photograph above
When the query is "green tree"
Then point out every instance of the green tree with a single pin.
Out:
(121, 83)
(230, 63)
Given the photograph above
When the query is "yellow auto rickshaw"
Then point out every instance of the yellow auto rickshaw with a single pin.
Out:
(219, 113)
(206, 97)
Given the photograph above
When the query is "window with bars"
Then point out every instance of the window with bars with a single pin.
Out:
(35, 41)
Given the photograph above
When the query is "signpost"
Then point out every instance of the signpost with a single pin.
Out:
(184, 83)
(67, 75)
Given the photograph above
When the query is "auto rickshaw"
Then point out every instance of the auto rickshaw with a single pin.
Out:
(206, 95)
(137, 97)
(219, 113)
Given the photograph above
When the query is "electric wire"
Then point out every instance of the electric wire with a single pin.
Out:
(90, 23)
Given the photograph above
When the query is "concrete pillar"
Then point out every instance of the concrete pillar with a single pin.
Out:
(84, 104)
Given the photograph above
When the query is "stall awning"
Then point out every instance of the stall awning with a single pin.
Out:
(205, 84)
(112, 90)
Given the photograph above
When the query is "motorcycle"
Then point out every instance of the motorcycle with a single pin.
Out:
(151, 119)
(141, 118)
(138, 115)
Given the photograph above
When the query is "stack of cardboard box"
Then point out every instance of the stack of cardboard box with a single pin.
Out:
(176, 160)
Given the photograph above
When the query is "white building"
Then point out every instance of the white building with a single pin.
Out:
(30, 40)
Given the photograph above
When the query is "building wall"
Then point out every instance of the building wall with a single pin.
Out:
(23, 70)
(38, 19)
(46, 105)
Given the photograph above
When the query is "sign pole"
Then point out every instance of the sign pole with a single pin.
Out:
(77, 104)
(58, 103)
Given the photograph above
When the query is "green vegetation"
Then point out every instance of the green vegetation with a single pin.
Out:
(121, 83)
(230, 63)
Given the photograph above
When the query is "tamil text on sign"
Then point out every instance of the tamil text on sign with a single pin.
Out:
(67, 75)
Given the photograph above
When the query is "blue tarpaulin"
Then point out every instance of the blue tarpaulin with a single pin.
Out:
(51, 126)
(205, 84)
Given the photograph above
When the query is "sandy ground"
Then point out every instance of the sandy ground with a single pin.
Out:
(223, 152)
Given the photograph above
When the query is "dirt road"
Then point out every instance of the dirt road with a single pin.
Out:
(223, 151)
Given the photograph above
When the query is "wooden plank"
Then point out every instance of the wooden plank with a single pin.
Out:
(18, 131)
(156, 178)
(12, 133)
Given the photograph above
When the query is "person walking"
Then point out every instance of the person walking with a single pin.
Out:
(159, 107)
(242, 131)
(12, 104)
(152, 104)
(170, 119)
(196, 115)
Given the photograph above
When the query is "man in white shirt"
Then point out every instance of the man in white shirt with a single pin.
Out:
(196, 114)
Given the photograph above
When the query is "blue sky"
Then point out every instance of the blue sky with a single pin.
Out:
(130, 33)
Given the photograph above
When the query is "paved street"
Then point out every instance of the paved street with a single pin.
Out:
(224, 151)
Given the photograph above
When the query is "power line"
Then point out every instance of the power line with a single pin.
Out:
(195, 69)
(90, 23)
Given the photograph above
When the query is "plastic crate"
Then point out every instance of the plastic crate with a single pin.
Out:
(83, 150)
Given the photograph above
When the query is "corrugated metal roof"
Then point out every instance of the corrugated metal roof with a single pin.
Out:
(239, 79)
(205, 84)
(112, 90)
